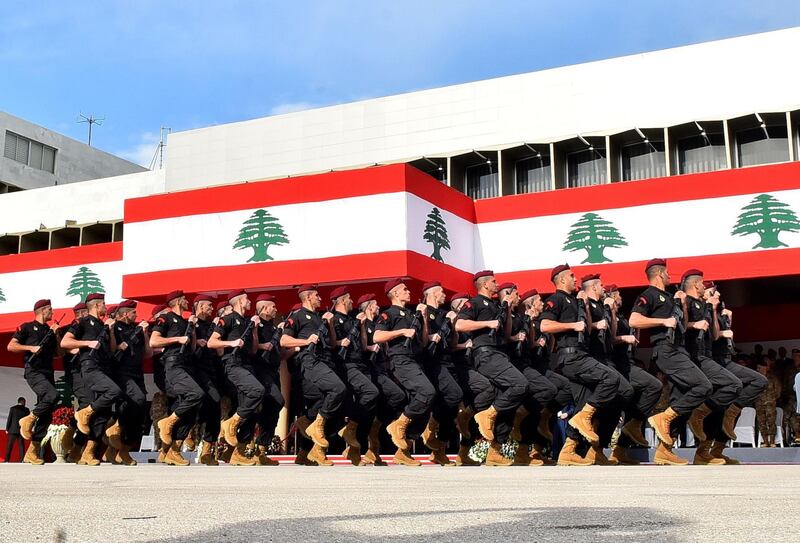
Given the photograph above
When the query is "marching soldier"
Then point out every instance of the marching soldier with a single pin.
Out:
(310, 332)
(205, 372)
(38, 342)
(133, 345)
(175, 335)
(236, 335)
(94, 336)
(72, 375)
(355, 373)
(655, 310)
(405, 333)
(481, 318)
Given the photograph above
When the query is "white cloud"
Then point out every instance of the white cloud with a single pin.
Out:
(290, 107)
(142, 153)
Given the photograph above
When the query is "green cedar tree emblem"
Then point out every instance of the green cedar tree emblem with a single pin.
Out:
(766, 216)
(2, 296)
(436, 233)
(259, 233)
(593, 234)
(83, 283)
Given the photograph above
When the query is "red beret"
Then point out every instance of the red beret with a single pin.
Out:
(202, 298)
(528, 294)
(365, 298)
(95, 296)
(709, 284)
(40, 304)
(172, 296)
(507, 284)
(221, 304)
(296, 307)
(111, 308)
(655, 262)
(558, 269)
(157, 309)
(338, 292)
(127, 304)
(482, 273)
(430, 284)
(459, 296)
(79, 307)
(590, 277)
(265, 298)
(693, 271)
(387, 288)
(303, 288)
(234, 293)
(611, 288)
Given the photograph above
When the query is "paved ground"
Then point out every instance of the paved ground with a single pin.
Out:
(396, 504)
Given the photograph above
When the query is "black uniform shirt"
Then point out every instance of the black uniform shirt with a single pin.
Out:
(205, 356)
(598, 338)
(132, 357)
(623, 329)
(519, 323)
(481, 308)
(90, 328)
(720, 348)
(562, 307)
(696, 310)
(304, 324)
(32, 333)
(399, 318)
(438, 323)
(343, 325)
(232, 327)
(657, 304)
(266, 331)
(172, 325)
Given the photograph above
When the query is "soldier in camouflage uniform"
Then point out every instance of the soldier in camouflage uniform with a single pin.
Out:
(766, 404)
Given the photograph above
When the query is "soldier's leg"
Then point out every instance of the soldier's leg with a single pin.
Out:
(249, 393)
(132, 411)
(511, 386)
(46, 401)
(321, 376)
(366, 395)
(189, 397)
(420, 391)
(270, 407)
(563, 395)
(445, 406)
(690, 387)
(209, 415)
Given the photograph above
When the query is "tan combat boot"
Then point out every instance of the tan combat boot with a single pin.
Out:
(403, 458)
(191, 440)
(462, 421)
(75, 452)
(33, 454)
(174, 456)
(207, 457)
(703, 457)
(240, 458)
(523, 457)
(353, 455)
(486, 420)
(114, 435)
(463, 459)
(318, 456)
(695, 422)
(397, 429)
(582, 422)
(597, 457)
(440, 457)
(88, 458)
(661, 423)
(620, 455)
(26, 425)
(165, 427)
(316, 431)
(537, 453)
(665, 457)
(348, 434)
(494, 457)
(110, 454)
(124, 457)
(729, 421)
(429, 435)
(265, 460)
(83, 417)
(227, 453)
(568, 456)
(516, 429)
(544, 425)
(716, 451)
(301, 459)
(229, 427)
(633, 429)
(373, 456)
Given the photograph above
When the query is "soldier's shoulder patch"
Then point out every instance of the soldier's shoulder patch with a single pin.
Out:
(550, 304)
(290, 321)
(384, 316)
(160, 320)
(642, 300)
(661, 298)
(467, 304)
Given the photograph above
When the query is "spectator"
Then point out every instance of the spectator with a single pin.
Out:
(793, 411)
(767, 402)
(15, 413)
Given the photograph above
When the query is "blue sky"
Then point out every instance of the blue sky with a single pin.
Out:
(143, 64)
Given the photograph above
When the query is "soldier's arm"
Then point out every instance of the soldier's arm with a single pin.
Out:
(467, 326)
(639, 321)
(69, 342)
(554, 327)
(157, 341)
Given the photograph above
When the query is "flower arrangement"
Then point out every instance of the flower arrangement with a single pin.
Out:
(63, 416)
(480, 449)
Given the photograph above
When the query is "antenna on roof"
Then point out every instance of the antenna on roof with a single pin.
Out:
(90, 120)
(162, 142)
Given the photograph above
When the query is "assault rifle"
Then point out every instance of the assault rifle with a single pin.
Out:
(582, 318)
(189, 329)
(526, 327)
(45, 339)
(501, 319)
(677, 312)
(128, 339)
(603, 335)
(445, 332)
(725, 324)
(353, 335)
(247, 331)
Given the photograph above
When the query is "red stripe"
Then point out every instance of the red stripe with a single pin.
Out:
(350, 269)
(308, 188)
(770, 263)
(636, 193)
(57, 258)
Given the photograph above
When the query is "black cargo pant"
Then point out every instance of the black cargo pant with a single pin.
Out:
(132, 406)
(362, 396)
(298, 406)
(271, 405)
(420, 390)
(541, 393)
(753, 384)
(690, 387)
(208, 418)
(392, 398)
(249, 392)
(42, 383)
(511, 386)
(105, 393)
(187, 394)
(563, 397)
(725, 386)
(73, 377)
(449, 395)
(12, 438)
(479, 394)
(646, 392)
(325, 387)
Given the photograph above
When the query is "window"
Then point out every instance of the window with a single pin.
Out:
(643, 161)
(585, 168)
(701, 153)
(29, 152)
(762, 145)
(481, 181)
(533, 174)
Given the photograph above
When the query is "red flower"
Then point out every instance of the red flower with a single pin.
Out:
(63, 416)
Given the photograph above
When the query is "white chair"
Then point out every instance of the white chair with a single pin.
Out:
(746, 427)
(148, 443)
(650, 436)
(778, 429)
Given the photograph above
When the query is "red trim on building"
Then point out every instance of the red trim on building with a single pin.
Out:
(637, 193)
(59, 258)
